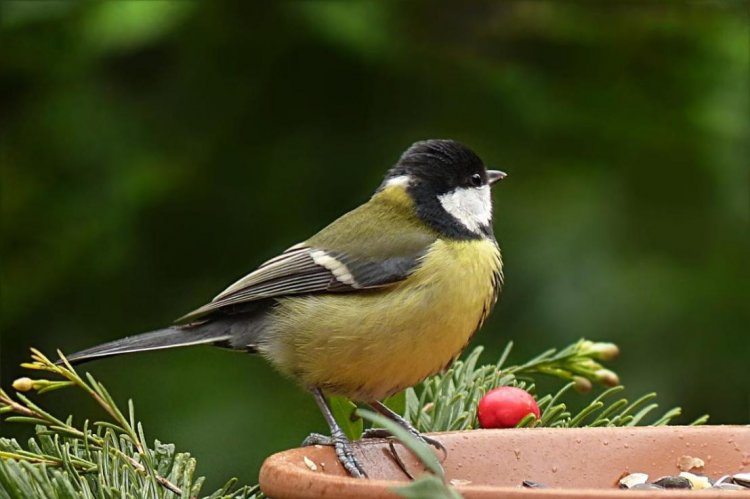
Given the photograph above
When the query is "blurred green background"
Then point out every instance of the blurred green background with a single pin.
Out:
(153, 152)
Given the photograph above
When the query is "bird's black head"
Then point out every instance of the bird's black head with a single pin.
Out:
(450, 187)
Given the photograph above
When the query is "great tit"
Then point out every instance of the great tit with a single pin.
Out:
(385, 296)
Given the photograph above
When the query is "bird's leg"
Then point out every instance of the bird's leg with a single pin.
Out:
(381, 432)
(338, 439)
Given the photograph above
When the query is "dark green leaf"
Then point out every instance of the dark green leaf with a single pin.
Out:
(397, 402)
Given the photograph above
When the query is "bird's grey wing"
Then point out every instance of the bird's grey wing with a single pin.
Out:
(304, 269)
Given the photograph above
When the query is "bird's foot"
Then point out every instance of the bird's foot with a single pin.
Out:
(344, 451)
(383, 433)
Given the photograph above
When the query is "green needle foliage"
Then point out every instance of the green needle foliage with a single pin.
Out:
(448, 401)
(94, 460)
(112, 458)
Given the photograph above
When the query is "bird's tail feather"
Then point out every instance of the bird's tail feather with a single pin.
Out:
(172, 337)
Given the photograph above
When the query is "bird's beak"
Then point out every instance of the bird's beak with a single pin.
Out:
(495, 175)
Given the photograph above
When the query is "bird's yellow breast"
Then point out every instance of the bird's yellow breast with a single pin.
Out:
(371, 344)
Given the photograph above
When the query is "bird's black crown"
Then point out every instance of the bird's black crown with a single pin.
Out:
(440, 165)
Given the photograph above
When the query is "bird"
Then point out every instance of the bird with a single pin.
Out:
(383, 297)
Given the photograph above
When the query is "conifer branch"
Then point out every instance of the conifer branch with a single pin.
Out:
(112, 456)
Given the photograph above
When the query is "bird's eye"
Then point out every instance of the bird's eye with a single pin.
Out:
(476, 180)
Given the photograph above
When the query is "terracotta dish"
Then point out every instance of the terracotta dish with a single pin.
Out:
(571, 462)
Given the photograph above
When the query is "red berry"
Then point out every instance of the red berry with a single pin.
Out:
(505, 406)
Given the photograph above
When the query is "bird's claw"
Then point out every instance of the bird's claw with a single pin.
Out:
(436, 444)
(376, 433)
(317, 439)
(383, 433)
(344, 451)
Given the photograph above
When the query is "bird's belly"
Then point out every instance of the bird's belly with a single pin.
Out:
(371, 344)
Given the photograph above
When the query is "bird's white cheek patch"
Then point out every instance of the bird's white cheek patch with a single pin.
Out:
(472, 206)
